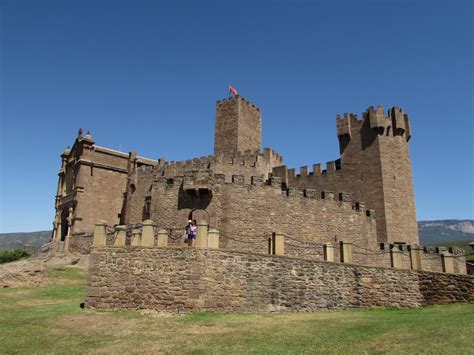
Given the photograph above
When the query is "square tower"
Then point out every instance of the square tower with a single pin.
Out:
(238, 127)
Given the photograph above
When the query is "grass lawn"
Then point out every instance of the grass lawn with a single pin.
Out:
(49, 320)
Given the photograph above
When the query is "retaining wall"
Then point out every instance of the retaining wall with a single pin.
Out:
(185, 279)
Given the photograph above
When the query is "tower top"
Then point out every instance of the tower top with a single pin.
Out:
(238, 127)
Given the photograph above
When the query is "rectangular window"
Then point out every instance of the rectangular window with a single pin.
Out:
(147, 208)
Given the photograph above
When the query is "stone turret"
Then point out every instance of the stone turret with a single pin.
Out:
(375, 163)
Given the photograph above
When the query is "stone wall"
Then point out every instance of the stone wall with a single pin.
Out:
(185, 279)
(80, 243)
(439, 288)
(247, 164)
(374, 166)
(309, 220)
(142, 180)
(138, 190)
(247, 214)
(412, 257)
(101, 197)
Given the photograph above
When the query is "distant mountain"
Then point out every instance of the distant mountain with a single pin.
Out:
(24, 241)
(444, 231)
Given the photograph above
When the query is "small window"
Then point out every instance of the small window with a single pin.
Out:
(147, 208)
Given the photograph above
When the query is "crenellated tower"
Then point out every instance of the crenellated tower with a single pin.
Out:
(374, 167)
(238, 127)
(375, 163)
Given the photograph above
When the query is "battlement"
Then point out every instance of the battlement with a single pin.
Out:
(290, 176)
(343, 123)
(234, 99)
(146, 168)
(207, 180)
(271, 154)
(441, 250)
(428, 251)
(395, 123)
(201, 162)
(247, 158)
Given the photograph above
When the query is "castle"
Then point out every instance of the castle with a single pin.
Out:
(359, 210)
(97, 183)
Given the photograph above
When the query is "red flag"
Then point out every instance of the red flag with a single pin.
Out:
(233, 91)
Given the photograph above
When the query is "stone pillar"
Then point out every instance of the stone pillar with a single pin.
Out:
(346, 252)
(136, 238)
(120, 236)
(201, 237)
(59, 244)
(279, 244)
(56, 228)
(66, 240)
(395, 257)
(447, 260)
(329, 252)
(213, 238)
(415, 257)
(100, 234)
(162, 238)
(57, 233)
(69, 227)
(148, 233)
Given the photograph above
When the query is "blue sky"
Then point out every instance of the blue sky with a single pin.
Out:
(144, 74)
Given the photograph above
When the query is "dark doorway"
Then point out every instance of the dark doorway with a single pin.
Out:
(64, 223)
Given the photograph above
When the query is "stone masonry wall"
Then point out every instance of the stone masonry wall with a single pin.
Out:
(184, 279)
(251, 213)
(439, 288)
(250, 126)
(101, 197)
(247, 215)
(374, 167)
(144, 178)
(138, 190)
(80, 243)
(226, 129)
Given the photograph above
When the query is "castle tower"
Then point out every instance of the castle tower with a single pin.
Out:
(238, 127)
(376, 166)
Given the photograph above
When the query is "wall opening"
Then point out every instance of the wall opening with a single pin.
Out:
(64, 223)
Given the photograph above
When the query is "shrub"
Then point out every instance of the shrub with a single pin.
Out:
(9, 256)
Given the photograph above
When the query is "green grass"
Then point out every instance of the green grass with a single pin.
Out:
(49, 320)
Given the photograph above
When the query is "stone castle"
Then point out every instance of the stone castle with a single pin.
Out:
(359, 210)
(97, 183)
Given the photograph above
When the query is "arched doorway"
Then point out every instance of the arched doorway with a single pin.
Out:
(199, 215)
(208, 215)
